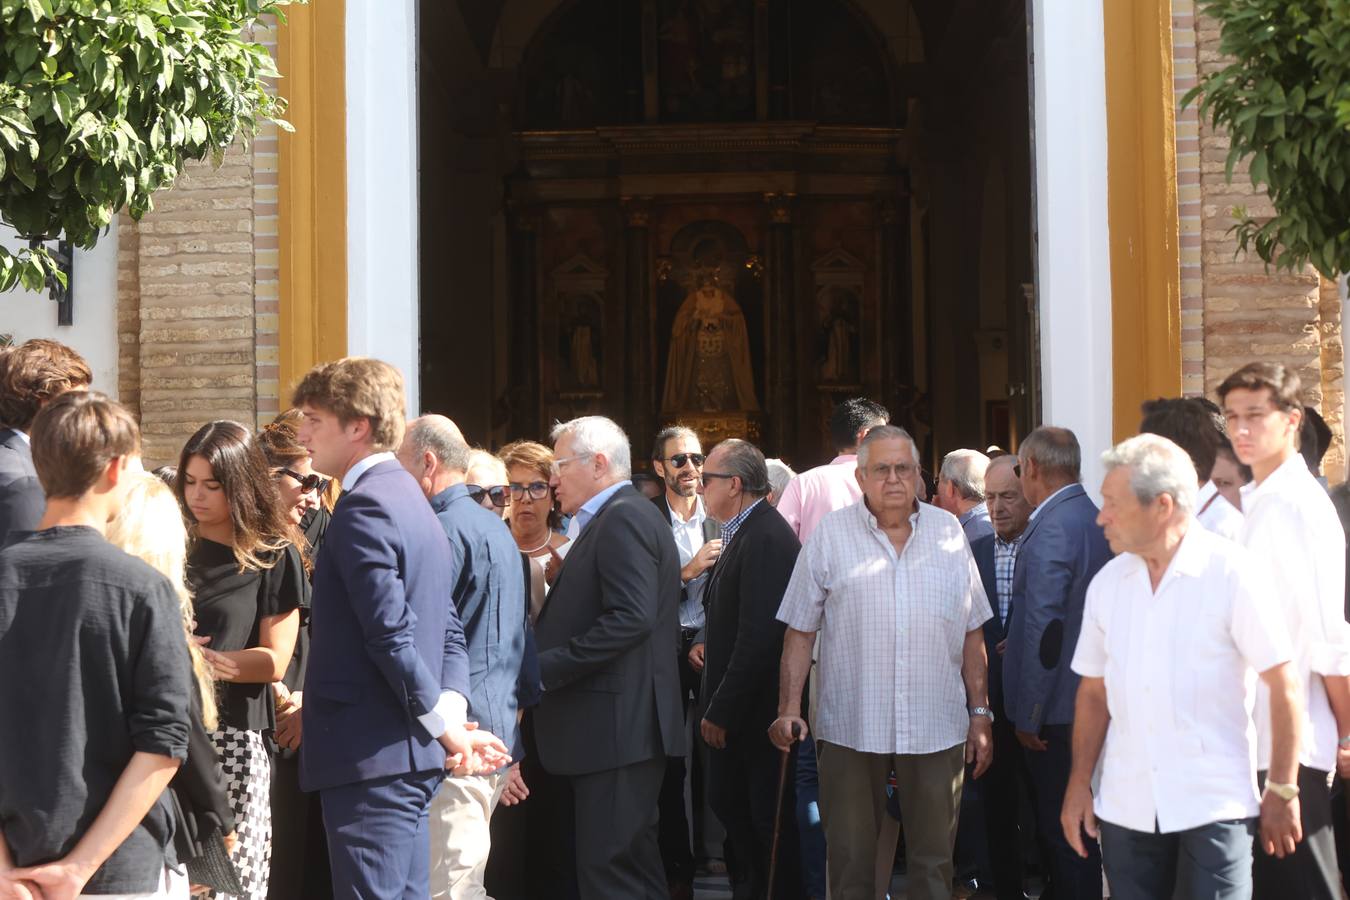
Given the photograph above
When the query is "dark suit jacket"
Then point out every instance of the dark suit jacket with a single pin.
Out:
(21, 497)
(606, 636)
(744, 636)
(385, 639)
(1062, 549)
(983, 550)
(489, 594)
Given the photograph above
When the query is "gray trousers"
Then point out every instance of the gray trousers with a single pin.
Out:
(1211, 862)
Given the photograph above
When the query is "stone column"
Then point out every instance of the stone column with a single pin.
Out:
(781, 401)
(525, 388)
(641, 404)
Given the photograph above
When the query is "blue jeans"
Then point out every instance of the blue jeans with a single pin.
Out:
(810, 831)
(1212, 861)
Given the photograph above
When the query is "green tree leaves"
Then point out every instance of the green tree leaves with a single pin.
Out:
(1284, 99)
(102, 101)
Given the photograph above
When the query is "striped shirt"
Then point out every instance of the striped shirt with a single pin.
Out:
(892, 629)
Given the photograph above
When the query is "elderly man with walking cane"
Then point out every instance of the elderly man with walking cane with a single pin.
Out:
(892, 588)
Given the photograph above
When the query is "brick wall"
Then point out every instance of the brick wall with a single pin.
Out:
(1245, 311)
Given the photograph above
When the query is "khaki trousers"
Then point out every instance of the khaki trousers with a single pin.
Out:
(853, 812)
(461, 838)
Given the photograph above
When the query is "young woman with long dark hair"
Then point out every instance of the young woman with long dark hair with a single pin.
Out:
(248, 581)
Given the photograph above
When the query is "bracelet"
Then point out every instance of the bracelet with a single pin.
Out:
(1344, 742)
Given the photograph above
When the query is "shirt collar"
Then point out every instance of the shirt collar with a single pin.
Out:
(845, 459)
(23, 436)
(1000, 542)
(730, 528)
(1189, 559)
(1046, 502)
(442, 501)
(980, 510)
(362, 467)
(1205, 494)
(1285, 476)
(593, 505)
(694, 520)
(871, 520)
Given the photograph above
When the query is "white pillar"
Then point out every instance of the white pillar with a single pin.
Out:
(1073, 258)
(382, 236)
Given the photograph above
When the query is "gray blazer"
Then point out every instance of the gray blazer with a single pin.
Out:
(21, 497)
(1061, 551)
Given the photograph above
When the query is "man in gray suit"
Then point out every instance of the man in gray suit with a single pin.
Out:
(30, 374)
(610, 714)
(1061, 550)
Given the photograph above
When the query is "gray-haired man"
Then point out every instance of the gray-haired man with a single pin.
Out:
(960, 491)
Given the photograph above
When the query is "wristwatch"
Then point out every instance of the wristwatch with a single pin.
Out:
(1285, 792)
(982, 711)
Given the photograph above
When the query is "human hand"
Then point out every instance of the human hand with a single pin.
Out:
(788, 730)
(1076, 817)
(1001, 646)
(231, 841)
(469, 751)
(14, 889)
(715, 736)
(1281, 826)
(289, 720)
(552, 567)
(1031, 741)
(222, 667)
(60, 880)
(1343, 761)
(696, 656)
(980, 744)
(703, 560)
(516, 790)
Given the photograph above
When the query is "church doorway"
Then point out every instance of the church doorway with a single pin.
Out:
(729, 213)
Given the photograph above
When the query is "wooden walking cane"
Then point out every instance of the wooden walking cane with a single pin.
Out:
(778, 810)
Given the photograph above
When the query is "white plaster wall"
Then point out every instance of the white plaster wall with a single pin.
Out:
(382, 239)
(28, 315)
(1073, 258)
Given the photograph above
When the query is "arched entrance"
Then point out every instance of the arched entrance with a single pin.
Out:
(730, 212)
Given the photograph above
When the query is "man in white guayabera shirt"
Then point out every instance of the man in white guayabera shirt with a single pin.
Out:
(892, 588)
(1291, 526)
(1175, 631)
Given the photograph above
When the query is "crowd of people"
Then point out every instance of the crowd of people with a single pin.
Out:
(352, 656)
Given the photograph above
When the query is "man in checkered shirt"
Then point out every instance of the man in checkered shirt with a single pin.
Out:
(892, 588)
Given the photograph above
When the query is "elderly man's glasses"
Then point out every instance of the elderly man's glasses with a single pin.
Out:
(556, 466)
(499, 494)
(679, 460)
(900, 471)
(536, 490)
(308, 483)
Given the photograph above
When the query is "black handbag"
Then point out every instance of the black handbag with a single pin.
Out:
(213, 867)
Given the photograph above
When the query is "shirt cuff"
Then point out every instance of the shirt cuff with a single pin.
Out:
(451, 709)
(1327, 658)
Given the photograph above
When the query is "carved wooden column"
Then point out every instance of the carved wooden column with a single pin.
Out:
(897, 319)
(525, 389)
(640, 399)
(781, 390)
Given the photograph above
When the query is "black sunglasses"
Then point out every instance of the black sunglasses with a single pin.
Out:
(499, 494)
(310, 482)
(537, 490)
(679, 459)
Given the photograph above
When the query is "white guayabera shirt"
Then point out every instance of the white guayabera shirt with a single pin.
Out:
(892, 629)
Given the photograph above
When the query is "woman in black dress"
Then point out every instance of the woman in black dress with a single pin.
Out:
(248, 581)
(299, 849)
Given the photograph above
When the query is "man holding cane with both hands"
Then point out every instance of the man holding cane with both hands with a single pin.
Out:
(892, 588)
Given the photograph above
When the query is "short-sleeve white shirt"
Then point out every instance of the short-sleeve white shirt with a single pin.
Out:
(892, 629)
(1180, 666)
(1291, 526)
(1218, 515)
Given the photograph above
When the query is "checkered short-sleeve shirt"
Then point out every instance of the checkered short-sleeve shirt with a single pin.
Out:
(892, 629)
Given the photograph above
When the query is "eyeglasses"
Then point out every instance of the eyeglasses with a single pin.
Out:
(706, 475)
(901, 471)
(680, 459)
(308, 483)
(537, 490)
(499, 495)
(556, 466)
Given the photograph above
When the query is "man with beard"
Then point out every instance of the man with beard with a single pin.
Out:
(677, 458)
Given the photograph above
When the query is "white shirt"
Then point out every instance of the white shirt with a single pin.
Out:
(1218, 515)
(892, 629)
(689, 540)
(452, 707)
(1291, 526)
(1181, 667)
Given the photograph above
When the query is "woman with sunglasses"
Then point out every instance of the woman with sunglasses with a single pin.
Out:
(486, 482)
(248, 581)
(535, 521)
(299, 848)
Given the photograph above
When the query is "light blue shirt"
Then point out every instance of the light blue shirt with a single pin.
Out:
(592, 506)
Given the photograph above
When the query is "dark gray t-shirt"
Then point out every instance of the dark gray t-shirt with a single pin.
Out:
(93, 668)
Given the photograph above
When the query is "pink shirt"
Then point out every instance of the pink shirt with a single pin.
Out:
(816, 493)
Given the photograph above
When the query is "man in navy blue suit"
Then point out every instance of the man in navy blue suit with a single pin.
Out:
(1061, 550)
(388, 680)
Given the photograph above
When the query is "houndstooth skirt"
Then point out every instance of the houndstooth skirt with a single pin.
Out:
(248, 783)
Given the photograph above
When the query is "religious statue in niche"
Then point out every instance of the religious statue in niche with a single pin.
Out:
(839, 339)
(580, 340)
(706, 49)
(709, 368)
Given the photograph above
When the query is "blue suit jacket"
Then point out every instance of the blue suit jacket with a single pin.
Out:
(489, 594)
(994, 631)
(21, 499)
(384, 637)
(1062, 549)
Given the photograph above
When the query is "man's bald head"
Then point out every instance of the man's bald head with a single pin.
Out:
(441, 438)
